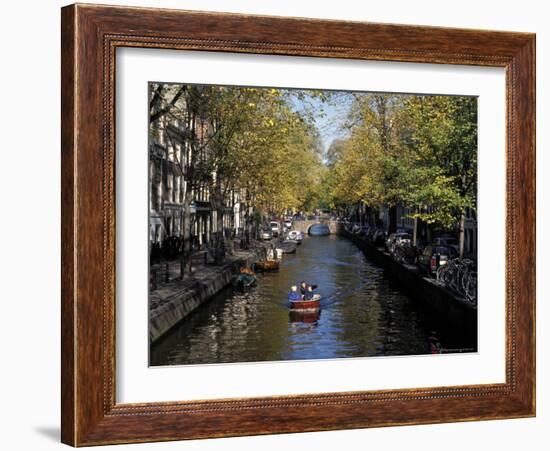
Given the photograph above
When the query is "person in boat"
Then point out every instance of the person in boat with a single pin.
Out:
(294, 295)
(304, 287)
(309, 294)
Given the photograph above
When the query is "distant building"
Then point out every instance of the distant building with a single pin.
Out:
(403, 217)
(170, 187)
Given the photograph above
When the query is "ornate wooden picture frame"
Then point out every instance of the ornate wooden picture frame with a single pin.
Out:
(90, 37)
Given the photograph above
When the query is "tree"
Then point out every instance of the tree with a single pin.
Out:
(365, 167)
(240, 143)
(414, 149)
(441, 131)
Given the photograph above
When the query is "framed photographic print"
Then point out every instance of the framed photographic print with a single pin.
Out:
(279, 225)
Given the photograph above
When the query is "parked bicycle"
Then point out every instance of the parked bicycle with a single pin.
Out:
(460, 276)
(404, 253)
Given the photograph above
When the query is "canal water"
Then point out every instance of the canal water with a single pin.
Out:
(362, 314)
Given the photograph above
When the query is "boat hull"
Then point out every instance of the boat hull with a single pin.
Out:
(269, 265)
(243, 281)
(295, 236)
(305, 305)
(309, 305)
(288, 248)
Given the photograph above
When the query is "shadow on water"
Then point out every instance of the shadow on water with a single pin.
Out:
(361, 314)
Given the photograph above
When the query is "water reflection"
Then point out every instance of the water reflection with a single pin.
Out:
(362, 314)
(308, 316)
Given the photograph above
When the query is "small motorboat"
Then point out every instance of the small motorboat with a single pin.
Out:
(288, 247)
(296, 236)
(268, 265)
(310, 304)
(243, 280)
(246, 270)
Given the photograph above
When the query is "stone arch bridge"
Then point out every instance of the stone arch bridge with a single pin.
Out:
(304, 226)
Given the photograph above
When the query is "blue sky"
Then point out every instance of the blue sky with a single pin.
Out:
(328, 116)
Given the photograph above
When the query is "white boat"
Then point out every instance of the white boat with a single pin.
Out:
(296, 235)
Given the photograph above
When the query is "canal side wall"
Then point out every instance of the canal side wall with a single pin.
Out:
(455, 311)
(167, 310)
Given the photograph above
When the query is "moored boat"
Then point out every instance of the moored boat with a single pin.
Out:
(288, 247)
(243, 280)
(268, 265)
(296, 236)
(246, 270)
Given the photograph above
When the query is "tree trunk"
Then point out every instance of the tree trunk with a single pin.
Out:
(219, 243)
(415, 231)
(188, 185)
(461, 234)
(186, 255)
(392, 226)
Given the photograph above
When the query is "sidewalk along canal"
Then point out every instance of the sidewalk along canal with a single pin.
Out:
(172, 301)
